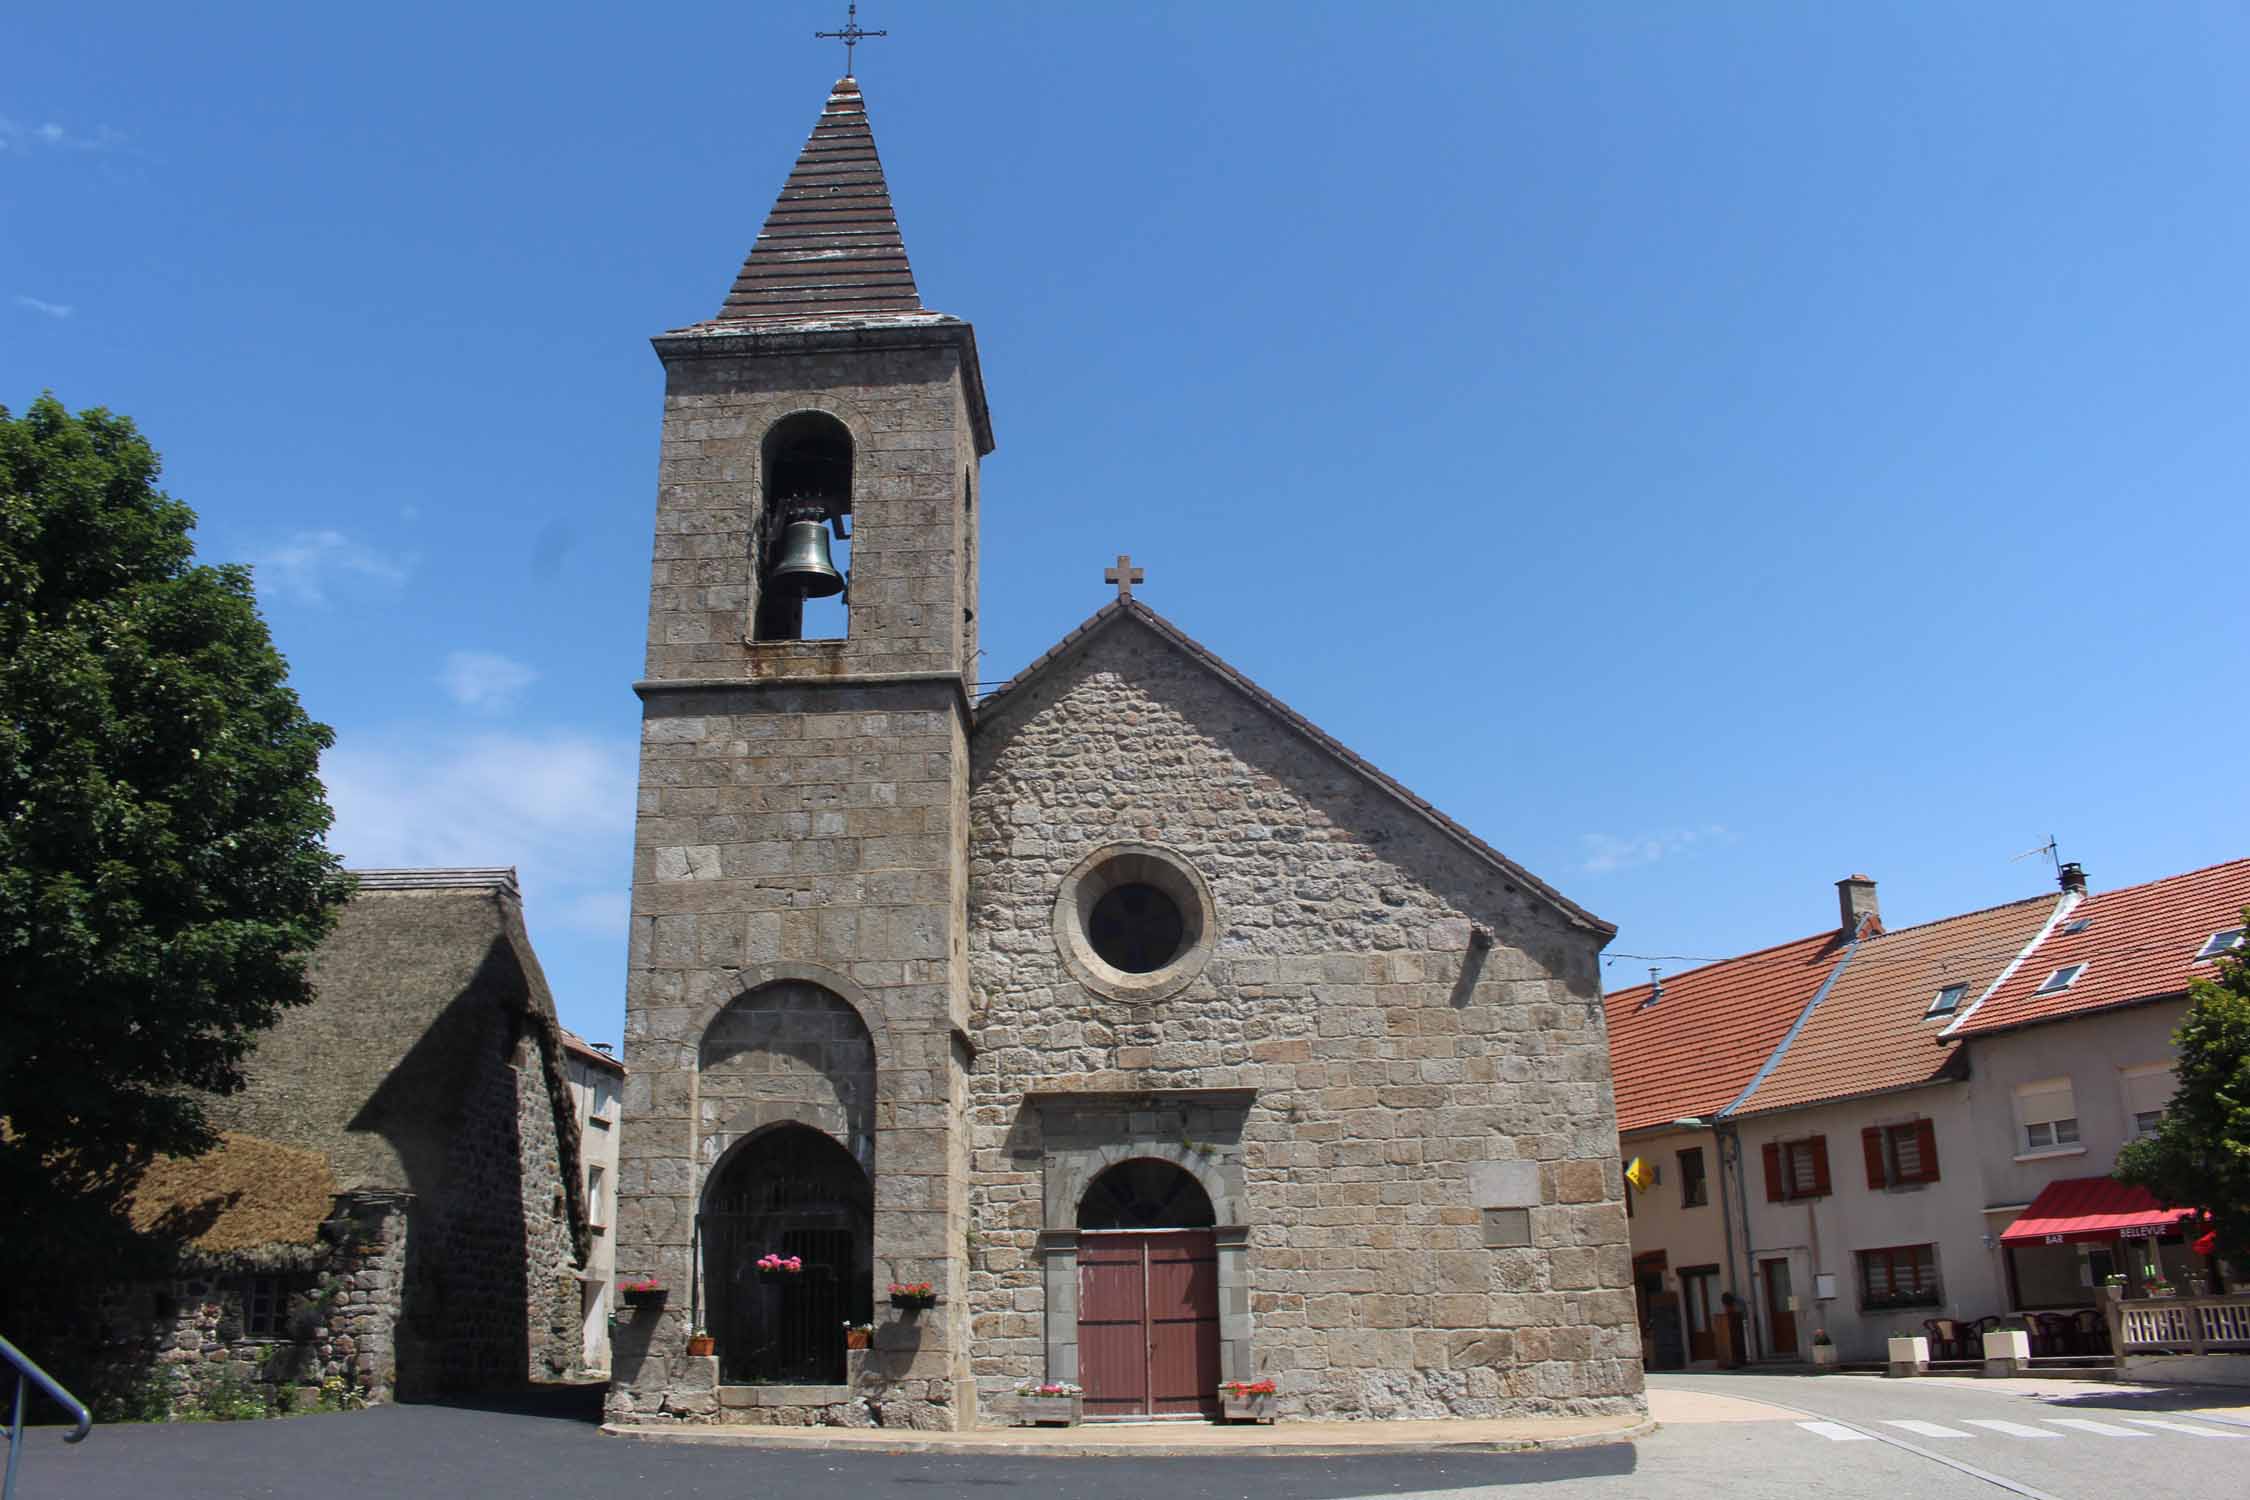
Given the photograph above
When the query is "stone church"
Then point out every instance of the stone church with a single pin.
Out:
(1121, 1029)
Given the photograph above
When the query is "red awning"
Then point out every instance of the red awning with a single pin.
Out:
(2080, 1209)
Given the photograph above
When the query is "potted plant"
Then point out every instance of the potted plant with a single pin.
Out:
(1823, 1347)
(2113, 1286)
(913, 1296)
(858, 1335)
(700, 1344)
(2157, 1286)
(1247, 1401)
(1050, 1403)
(644, 1292)
(776, 1267)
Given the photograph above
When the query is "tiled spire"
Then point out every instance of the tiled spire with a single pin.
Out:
(831, 246)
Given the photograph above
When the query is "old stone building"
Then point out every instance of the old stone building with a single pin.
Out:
(396, 1200)
(1122, 1029)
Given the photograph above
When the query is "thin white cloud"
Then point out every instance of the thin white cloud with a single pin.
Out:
(558, 807)
(56, 310)
(52, 136)
(305, 564)
(485, 679)
(1607, 852)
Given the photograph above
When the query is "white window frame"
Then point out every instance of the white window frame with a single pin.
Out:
(2224, 940)
(2062, 979)
(597, 1183)
(2126, 1078)
(1938, 1007)
(2044, 1134)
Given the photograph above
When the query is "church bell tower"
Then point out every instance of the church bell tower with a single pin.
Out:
(797, 992)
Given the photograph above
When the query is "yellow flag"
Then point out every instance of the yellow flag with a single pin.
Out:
(1638, 1174)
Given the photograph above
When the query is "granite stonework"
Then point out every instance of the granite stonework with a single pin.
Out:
(861, 926)
(800, 857)
(1354, 1081)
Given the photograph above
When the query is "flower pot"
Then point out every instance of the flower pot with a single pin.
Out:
(1050, 1411)
(1258, 1408)
(771, 1277)
(913, 1301)
(644, 1296)
(702, 1344)
(857, 1338)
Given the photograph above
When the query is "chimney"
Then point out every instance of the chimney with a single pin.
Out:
(2072, 878)
(1855, 903)
(604, 1049)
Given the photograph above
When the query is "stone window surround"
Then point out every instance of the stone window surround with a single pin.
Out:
(1068, 1170)
(1113, 865)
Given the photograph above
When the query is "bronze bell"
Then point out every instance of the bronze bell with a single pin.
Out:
(802, 564)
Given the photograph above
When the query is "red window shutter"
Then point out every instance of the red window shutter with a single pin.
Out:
(1926, 1132)
(1774, 1193)
(1871, 1142)
(1820, 1186)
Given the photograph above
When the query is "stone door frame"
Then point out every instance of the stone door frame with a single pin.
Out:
(1085, 1135)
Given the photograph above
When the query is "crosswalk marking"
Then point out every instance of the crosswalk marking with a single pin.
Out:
(2102, 1429)
(1928, 1429)
(2182, 1427)
(1837, 1432)
(2012, 1429)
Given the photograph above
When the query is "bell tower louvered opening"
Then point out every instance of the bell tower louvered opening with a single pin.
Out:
(805, 530)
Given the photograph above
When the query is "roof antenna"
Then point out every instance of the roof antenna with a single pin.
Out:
(1655, 986)
(2048, 849)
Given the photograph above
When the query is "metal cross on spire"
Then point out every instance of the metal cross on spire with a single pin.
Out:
(1124, 575)
(850, 36)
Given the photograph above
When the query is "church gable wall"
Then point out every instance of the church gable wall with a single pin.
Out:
(1428, 1150)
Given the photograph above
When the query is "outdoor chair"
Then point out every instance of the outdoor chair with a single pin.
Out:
(2090, 1331)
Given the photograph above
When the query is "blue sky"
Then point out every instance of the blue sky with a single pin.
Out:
(1707, 449)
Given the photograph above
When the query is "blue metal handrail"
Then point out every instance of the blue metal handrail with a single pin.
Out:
(27, 1376)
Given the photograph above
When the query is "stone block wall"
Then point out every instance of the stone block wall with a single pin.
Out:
(492, 1295)
(182, 1340)
(1391, 1063)
(796, 837)
(901, 395)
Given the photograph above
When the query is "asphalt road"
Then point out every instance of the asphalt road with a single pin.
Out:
(426, 1452)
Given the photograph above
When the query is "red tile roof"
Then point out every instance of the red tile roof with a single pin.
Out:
(2139, 945)
(2090, 1208)
(831, 247)
(1696, 1049)
(579, 1046)
(1872, 1031)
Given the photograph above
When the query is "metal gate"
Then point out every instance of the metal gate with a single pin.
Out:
(796, 1193)
(1148, 1323)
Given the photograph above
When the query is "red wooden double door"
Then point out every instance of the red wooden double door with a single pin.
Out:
(1148, 1323)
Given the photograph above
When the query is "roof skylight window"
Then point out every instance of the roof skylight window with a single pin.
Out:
(1948, 1000)
(2220, 942)
(2062, 979)
(2078, 926)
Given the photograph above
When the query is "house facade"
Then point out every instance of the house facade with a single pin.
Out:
(1928, 1139)
(597, 1086)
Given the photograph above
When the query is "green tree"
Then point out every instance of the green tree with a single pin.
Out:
(162, 875)
(2200, 1154)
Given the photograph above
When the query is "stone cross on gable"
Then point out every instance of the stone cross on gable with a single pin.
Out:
(1124, 575)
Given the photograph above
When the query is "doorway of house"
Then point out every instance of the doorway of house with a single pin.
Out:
(1148, 1295)
(1781, 1312)
(1699, 1298)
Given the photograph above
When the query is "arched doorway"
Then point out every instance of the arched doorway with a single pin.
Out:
(788, 1191)
(1148, 1294)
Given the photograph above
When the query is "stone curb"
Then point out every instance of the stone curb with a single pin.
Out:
(1057, 1447)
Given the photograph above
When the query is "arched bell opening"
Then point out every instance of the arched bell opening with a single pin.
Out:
(1148, 1294)
(791, 1192)
(804, 529)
